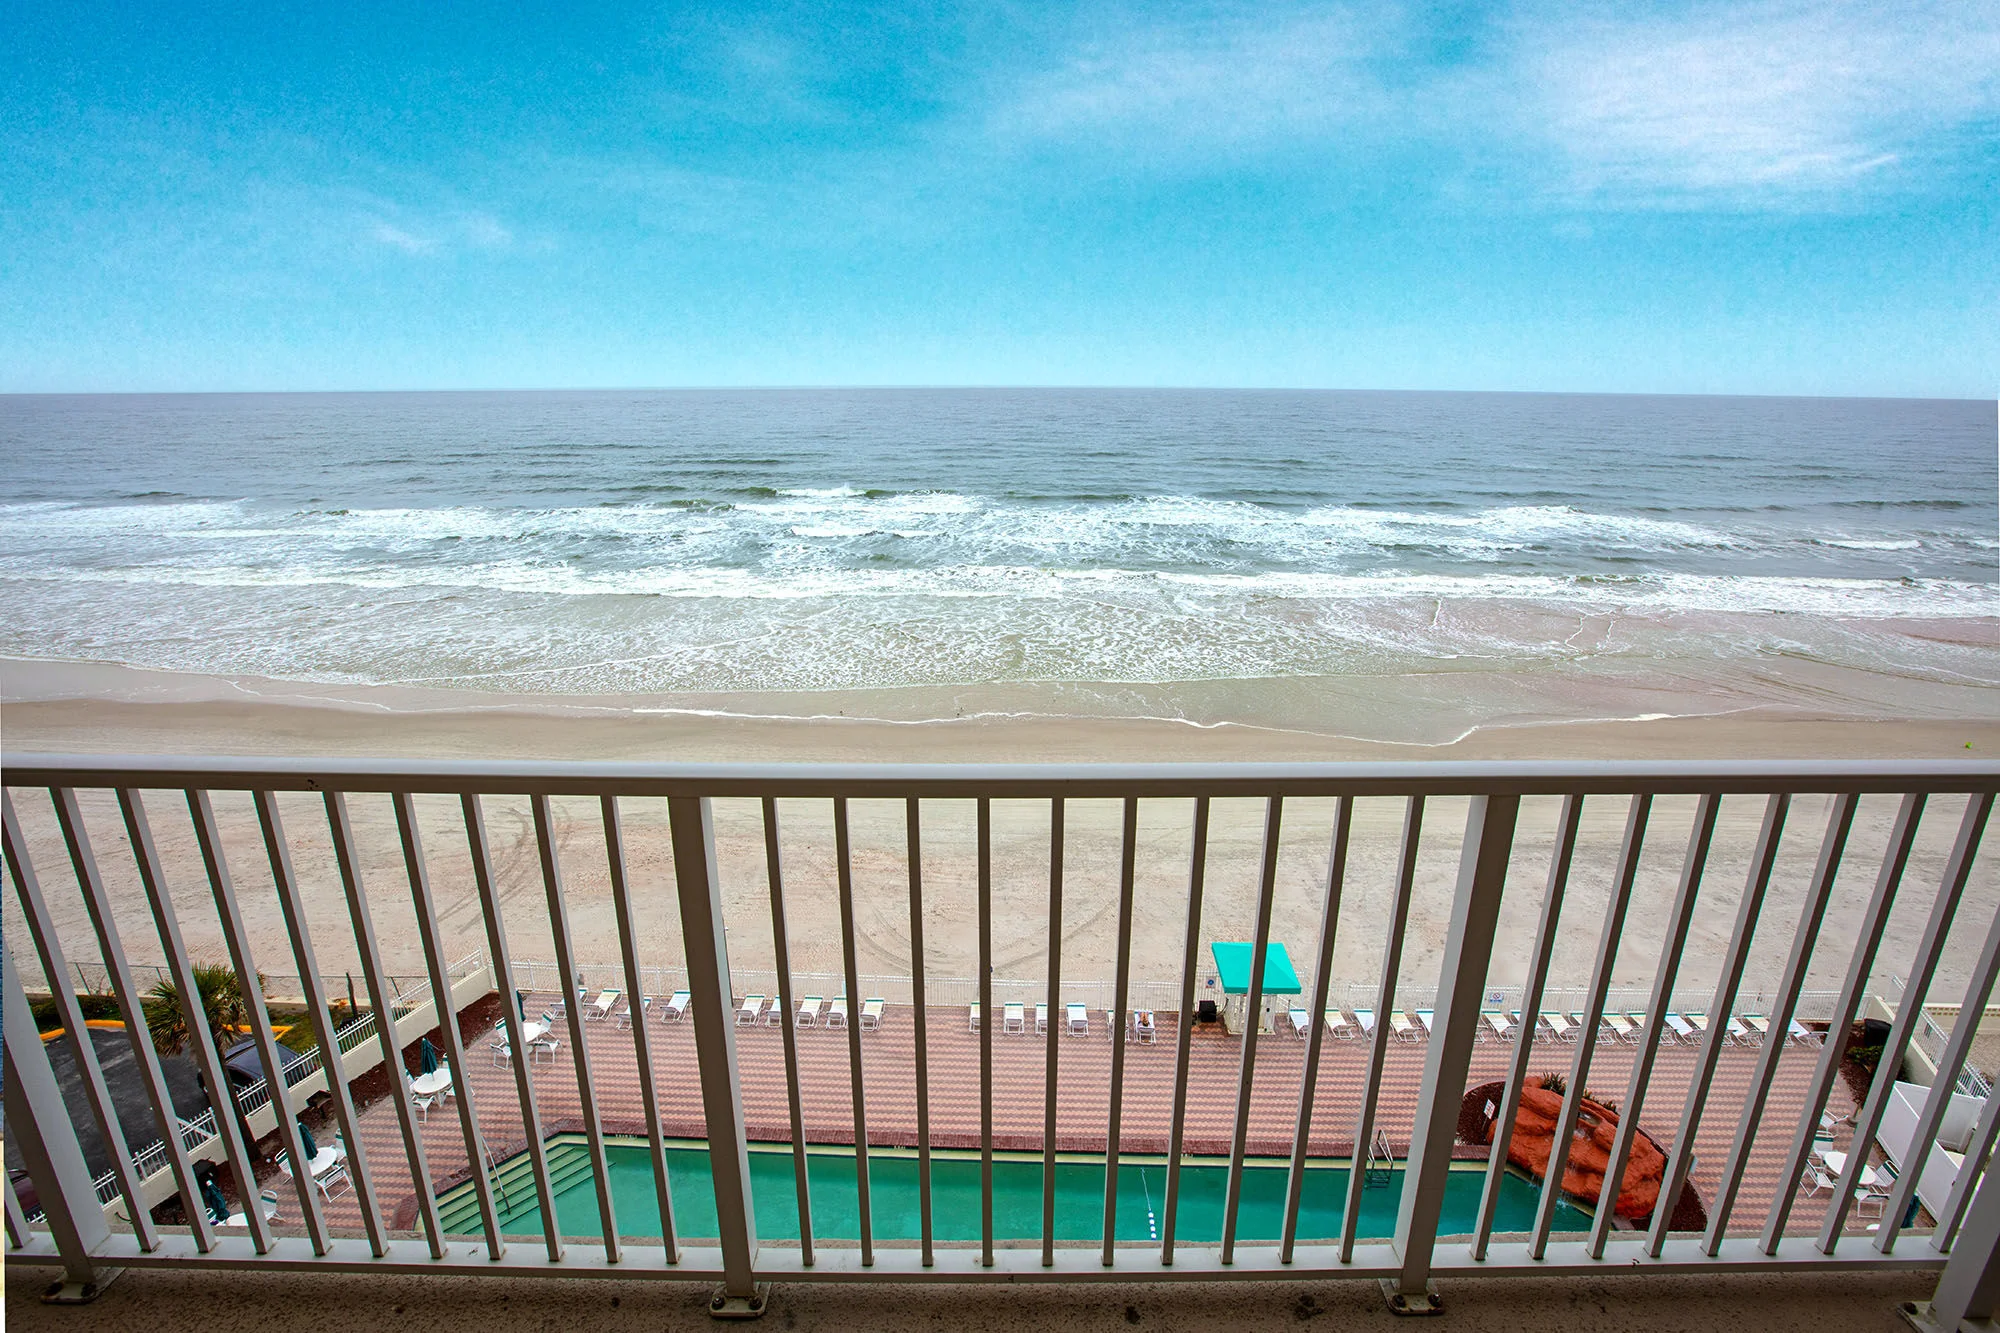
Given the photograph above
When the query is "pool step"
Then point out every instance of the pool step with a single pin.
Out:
(514, 1188)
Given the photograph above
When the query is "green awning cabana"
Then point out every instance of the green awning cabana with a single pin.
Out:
(1232, 962)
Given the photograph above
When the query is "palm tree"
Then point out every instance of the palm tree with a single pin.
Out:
(222, 1005)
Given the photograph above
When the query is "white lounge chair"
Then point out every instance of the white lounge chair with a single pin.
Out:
(1301, 1022)
(1041, 1017)
(1802, 1035)
(1760, 1028)
(1366, 1019)
(972, 1017)
(774, 1013)
(1400, 1024)
(750, 1010)
(1498, 1024)
(1143, 1029)
(1699, 1022)
(871, 1013)
(836, 1013)
(601, 1009)
(1076, 1018)
(1620, 1026)
(1013, 1017)
(625, 1014)
(677, 1006)
(1682, 1029)
(1425, 1018)
(1336, 1024)
(1560, 1028)
(808, 1013)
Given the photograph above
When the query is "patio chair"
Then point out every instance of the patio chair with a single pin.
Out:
(1620, 1026)
(503, 1052)
(1336, 1025)
(1801, 1035)
(1425, 1019)
(602, 1008)
(267, 1204)
(1300, 1020)
(625, 1014)
(545, 1046)
(1076, 1019)
(1736, 1032)
(972, 1023)
(750, 1010)
(871, 1013)
(1638, 1022)
(1142, 1026)
(677, 1006)
(1365, 1019)
(1683, 1030)
(808, 1013)
(774, 1013)
(1013, 1016)
(1560, 1028)
(1399, 1023)
(1499, 1024)
(836, 1013)
(1814, 1182)
(1760, 1028)
(1041, 1017)
(1699, 1022)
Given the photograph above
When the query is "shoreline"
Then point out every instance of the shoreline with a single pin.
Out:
(49, 706)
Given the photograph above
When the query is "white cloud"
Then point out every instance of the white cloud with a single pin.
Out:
(1749, 101)
(399, 239)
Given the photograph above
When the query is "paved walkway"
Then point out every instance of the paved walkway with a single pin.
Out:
(1084, 1064)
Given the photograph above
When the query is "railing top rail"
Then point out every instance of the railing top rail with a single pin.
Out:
(569, 778)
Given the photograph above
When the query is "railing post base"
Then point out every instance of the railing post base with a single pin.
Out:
(1922, 1316)
(722, 1305)
(1425, 1302)
(71, 1291)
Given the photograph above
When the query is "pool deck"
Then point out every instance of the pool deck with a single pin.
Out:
(1084, 1078)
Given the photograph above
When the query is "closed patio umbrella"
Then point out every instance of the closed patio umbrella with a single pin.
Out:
(306, 1142)
(427, 1057)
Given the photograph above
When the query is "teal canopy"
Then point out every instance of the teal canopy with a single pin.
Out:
(1232, 960)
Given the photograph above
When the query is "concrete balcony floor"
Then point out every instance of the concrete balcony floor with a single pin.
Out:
(169, 1302)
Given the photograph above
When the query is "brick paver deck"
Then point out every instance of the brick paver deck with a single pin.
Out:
(1083, 1098)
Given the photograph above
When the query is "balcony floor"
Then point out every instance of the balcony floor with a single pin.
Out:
(171, 1302)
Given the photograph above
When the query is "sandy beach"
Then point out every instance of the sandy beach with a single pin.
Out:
(55, 709)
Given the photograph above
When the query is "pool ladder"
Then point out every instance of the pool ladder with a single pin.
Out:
(1381, 1161)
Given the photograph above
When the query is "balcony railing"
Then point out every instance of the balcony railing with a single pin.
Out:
(1779, 1092)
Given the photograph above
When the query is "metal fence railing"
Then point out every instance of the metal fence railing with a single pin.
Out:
(667, 816)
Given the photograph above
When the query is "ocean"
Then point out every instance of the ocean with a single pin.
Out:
(661, 543)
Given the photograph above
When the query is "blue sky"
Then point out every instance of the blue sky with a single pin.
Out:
(1753, 198)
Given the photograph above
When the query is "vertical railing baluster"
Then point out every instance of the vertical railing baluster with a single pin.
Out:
(774, 876)
(341, 826)
(1593, 1015)
(914, 830)
(54, 1161)
(698, 886)
(1910, 1009)
(331, 1058)
(986, 1020)
(193, 1012)
(1748, 909)
(1839, 821)
(1267, 884)
(17, 1220)
(1184, 1024)
(1121, 999)
(1567, 824)
(1329, 923)
(1965, 1031)
(1378, 1045)
(593, 1122)
(641, 1016)
(1968, 1291)
(1970, 1172)
(1680, 917)
(447, 1016)
(1874, 921)
(844, 878)
(55, 967)
(1053, 1037)
(512, 1021)
(237, 936)
(1468, 955)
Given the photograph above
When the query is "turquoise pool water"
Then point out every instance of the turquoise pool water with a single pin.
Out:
(1017, 1197)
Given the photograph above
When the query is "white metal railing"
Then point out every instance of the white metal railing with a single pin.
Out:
(77, 1234)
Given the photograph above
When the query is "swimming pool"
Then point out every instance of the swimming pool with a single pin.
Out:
(1017, 1196)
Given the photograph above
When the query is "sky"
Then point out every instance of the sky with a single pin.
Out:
(1628, 197)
